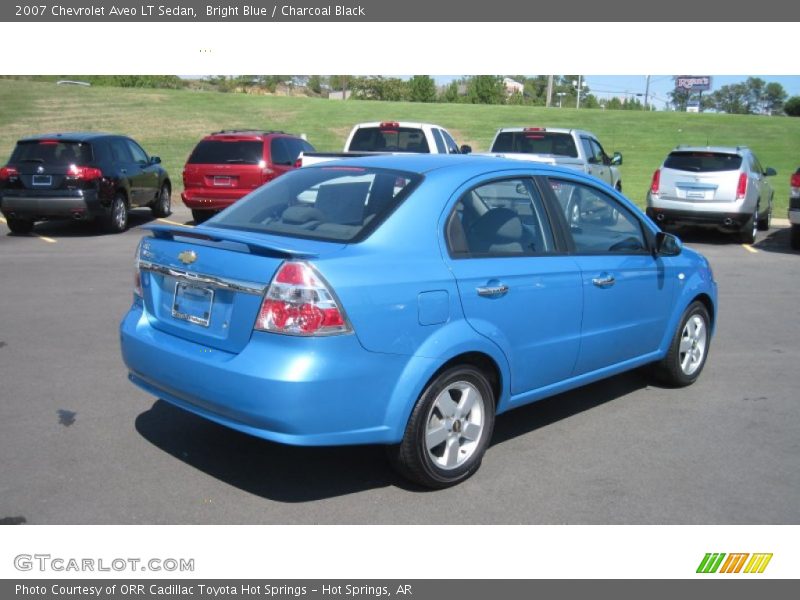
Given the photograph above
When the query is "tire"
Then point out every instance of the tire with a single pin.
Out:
(445, 440)
(116, 221)
(200, 216)
(19, 226)
(688, 349)
(748, 234)
(162, 206)
(765, 222)
(794, 237)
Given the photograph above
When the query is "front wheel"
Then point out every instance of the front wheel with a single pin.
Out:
(449, 429)
(688, 350)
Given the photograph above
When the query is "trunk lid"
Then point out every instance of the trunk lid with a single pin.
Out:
(206, 285)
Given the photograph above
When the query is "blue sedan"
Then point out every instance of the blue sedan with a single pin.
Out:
(407, 300)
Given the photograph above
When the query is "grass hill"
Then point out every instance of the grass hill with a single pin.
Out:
(169, 122)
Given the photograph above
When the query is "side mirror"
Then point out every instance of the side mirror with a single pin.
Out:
(668, 244)
(770, 172)
(465, 149)
(155, 160)
(616, 159)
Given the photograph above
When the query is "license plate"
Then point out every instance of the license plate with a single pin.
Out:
(192, 303)
(222, 181)
(42, 180)
(696, 195)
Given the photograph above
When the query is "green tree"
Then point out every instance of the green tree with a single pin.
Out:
(451, 93)
(732, 99)
(792, 106)
(421, 88)
(774, 98)
(486, 89)
(315, 84)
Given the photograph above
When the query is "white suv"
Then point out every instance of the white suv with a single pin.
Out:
(721, 187)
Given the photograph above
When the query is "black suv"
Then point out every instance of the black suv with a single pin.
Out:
(81, 176)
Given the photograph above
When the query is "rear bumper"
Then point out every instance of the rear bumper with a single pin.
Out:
(733, 221)
(84, 206)
(292, 390)
(794, 216)
(211, 198)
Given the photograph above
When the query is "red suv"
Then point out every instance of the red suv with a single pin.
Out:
(226, 165)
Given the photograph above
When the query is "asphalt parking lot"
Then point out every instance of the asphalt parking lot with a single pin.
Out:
(80, 444)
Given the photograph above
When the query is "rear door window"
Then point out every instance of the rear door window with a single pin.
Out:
(218, 152)
(702, 162)
(389, 139)
(52, 152)
(119, 151)
(279, 151)
(139, 155)
(326, 203)
(452, 147)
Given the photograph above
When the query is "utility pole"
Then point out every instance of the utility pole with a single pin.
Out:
(549, 90)
(646, 90)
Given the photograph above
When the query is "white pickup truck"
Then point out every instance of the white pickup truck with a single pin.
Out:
(571, 148)
(390, 137)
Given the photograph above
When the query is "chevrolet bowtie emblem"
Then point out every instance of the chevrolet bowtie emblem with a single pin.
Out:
(187, 257)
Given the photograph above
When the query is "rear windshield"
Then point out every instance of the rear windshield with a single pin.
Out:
(389, 139)
(216, 152)
(52, 152)
(536, 142)
(703, 162)
(326, 203)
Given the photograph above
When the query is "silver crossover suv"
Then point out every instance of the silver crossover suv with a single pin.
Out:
(713, 186)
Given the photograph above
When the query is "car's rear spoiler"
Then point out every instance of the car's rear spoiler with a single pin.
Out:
(260, 244)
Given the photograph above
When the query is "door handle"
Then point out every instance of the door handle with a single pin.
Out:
(492, 291)
(605, 281)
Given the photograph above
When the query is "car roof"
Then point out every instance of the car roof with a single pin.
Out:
(545, 129)
(411, 124)
(255, 134)
(71, 136)
(427, 163)
(722, 149)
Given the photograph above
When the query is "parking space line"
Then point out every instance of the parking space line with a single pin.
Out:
(44, 238)
(174, 223)
(2, 220)
(749, 248)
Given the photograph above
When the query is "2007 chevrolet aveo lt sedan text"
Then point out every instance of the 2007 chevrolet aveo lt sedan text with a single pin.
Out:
(407, 300)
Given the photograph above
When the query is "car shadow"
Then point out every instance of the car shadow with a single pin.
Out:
(65, 228)
(700, 235)
(776, 241)
(298, 474)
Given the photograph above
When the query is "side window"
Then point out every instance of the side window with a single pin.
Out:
(307, 147)
(452, 147)
(279, 152)
(756, 166)
(295, 147)
(501, 218)
(139, 155)
(599, 154)
(119, 151)
(598, 223)
(588, 149)
(437, 137)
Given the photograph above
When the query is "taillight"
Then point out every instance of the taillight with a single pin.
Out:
(298, 163)
(137, 273)
(741, 189)
(534, 129)
(84, 173)
(794, 182)
(390, 125)
(299, 302)
(7, 173)
(656, 183)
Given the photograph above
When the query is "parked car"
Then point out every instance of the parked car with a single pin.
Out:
(721, 187)
(391, 137)
(81, 176)
(572, 148)
(407, 300)
(794, 209)
(226, 165)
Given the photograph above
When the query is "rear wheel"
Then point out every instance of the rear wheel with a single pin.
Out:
(765, 221)
(116, 221)
(688, 350)
(162, 206)
(748, 234)
(19, 226)
(449, 429)
(201, 215)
